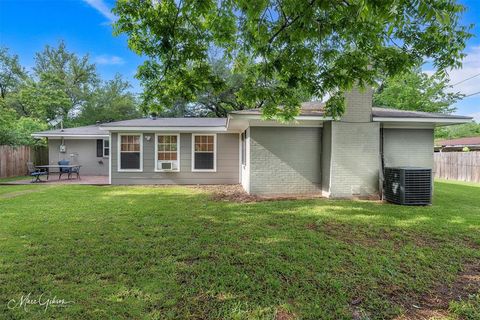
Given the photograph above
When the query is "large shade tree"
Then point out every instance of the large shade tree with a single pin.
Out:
(111, 101)
(75, 76)
(418, 91)
(321, 46)
(61, 85)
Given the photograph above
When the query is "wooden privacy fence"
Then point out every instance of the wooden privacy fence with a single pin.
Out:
(13, 160)
(464, 166)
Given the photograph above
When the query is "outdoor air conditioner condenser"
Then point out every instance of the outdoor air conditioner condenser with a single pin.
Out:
(408, 185)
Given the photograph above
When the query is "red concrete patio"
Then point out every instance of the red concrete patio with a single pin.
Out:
(53, 179)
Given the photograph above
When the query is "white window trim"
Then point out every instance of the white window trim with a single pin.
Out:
(110, 160)
(156, 151)
(119, 146)
(214, 152)
(103, 148)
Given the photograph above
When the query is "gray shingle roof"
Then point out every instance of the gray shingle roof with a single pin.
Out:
(308, 109)
(395, 113)
(316, 109)
(169, 122)
(86, 130)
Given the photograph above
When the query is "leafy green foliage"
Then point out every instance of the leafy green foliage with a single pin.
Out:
(12, 74)
(218, 97)
(61, 86)
(415, 90)
(74, 76)
(16, 131)
(464, 130)
(281, 46)
(110, 101)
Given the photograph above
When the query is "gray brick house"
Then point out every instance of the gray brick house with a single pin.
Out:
(311, 155)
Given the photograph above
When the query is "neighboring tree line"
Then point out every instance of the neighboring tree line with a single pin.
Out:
(61, 86)
(417, 91)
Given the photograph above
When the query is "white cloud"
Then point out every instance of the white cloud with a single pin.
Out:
(108, 60)
(470, 68)
(101, 7)
(476, 116)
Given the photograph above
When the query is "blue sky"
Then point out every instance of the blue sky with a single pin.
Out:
(26, 26)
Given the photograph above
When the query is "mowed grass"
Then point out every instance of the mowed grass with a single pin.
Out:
(124, 252)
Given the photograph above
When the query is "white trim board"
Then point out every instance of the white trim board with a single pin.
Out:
(110, 160)
(425, 120)
(70, 136)
(166, 129)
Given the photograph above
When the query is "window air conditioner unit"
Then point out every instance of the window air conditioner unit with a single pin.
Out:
(166, 166)
(408, 185)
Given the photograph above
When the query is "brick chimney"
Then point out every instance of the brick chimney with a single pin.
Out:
(358, 105)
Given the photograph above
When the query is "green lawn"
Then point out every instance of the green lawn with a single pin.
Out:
(123, 252)
(10, 179)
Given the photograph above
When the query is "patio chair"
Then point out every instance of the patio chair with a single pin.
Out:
(35, 173)
(67, 170)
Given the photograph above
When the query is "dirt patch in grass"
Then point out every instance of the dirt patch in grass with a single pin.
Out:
(435, 304)
(235, 193)
(283, 314)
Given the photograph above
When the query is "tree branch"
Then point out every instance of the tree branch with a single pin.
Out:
(287, 23)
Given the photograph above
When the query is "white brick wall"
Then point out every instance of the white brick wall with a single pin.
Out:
(359, 105)
(355, 159)
(285, 160)
(408, 147)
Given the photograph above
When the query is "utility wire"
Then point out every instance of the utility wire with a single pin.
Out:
(472, 94)
(474, 76)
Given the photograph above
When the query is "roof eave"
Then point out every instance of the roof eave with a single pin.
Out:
(163, 128)
(434, 121)
(259, 117)
(68, 135)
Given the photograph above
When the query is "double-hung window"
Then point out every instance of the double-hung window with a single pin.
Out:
(204, 149)
(106, 148)
(167, 152)
(130, 152)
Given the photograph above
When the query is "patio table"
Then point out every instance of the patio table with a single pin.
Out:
(58, 166)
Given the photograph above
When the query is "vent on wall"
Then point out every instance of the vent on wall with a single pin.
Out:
(408, 185)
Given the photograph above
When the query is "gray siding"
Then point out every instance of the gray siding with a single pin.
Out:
(355, 159)
(408, 147)
(85, 151)
(285, 160)
(227, 163)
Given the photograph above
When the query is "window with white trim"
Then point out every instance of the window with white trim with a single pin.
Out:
(130, 152)
(204, 152)
(167, 152)
(106, 148)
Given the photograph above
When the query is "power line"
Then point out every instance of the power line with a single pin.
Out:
(472, 94)
(476, 75)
